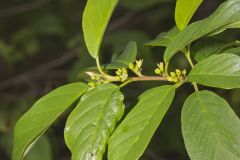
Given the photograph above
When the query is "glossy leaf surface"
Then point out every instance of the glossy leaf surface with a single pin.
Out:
(132, 136)
(42, 114)
(91, 123)
(226, 14)
(184, 11)
(128, 55)
(96, 16)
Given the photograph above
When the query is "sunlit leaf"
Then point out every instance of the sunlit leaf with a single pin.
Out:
(132, 136)
(95, 19)
(91, 123)
(41, 115)
(228, 13)
(184, 11)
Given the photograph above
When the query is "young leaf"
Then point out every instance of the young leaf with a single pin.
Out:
(207, 47)
(90, 125)
(184, 11)
(226, 14)
(95, 19)
(163, 39)
(131, 138)
(42, 114)
(221, 71)
(210, 128)
(128, 55)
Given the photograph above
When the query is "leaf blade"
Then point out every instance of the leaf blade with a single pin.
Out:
(127, 56)
(221, 71)
(226, 14)
(95, 19)
(93, 120)
(184, 11)
(210, 128)
(132, 136)
(163, 39)
(36, 120)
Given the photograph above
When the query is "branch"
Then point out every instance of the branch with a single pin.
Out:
(22, 8)
(37, 71)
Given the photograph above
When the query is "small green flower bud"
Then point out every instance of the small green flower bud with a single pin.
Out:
(157, 71)
(118, 73)
(124, 70)
(131, 66)
(124, 77)
(136, 69)
(173, 74)
(139, 63)
(170, 79)
(161, 67)
(178, 72)
(184, 72)
(175, 79)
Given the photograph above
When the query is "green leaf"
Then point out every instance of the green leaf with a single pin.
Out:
(210, 128)
(42, 114)
(96, 16)
(91, 123)
(131, 138)
(128, 55)
(184, 11)
(228, 13)
(41, 150)
(207, 47)
(222, 71)
(233, 51)
(163, 39)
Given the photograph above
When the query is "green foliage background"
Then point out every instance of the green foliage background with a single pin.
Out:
(42, 47)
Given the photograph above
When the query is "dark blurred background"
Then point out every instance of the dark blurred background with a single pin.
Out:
(42, 47)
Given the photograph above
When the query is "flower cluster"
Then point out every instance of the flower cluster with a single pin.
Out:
(177, 76)
(122, 74)
(136, 67)
(161, 69)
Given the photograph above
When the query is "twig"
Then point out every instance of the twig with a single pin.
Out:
(37, 71)
(22, 8)
(121, 21)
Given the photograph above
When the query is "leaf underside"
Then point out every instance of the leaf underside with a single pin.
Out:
(210, 128)
(221, 71)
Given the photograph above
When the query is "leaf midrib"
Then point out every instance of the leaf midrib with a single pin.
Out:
(147, 122)
(211, 126)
